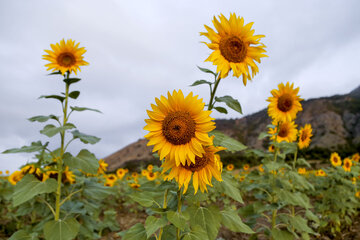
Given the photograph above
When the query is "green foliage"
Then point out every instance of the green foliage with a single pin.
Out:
(199, 82)
(85, 161)
(51, 130)
(229, 143)
(230, 102)
(34, 147)
(84, 137)
(232, 221)
(152, 224)
(80, 109)
(62, 229)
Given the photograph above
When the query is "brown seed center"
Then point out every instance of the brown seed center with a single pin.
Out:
(200, 163)
(285, 102)
(303, 136)
(347, 165)
(178, 127)
(335, 160)
(66, 59)
(284, 131)
(233, 49)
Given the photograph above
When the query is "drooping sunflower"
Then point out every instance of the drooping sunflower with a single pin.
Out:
(347, 165)
(284, 103)
(335, 159)
(40, 175)
(235, 47)
(102, 167)
(179, 127)
(28, 169)
(205, 167)
(287, 132)
(15, 177)
(305, 133)
(230, 167)
(65, 56)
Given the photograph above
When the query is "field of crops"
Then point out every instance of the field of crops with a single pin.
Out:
(190, 195)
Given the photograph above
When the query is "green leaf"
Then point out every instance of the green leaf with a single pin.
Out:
(85, 138)
(55, 73)
(208, 218)
(61, 229)
(302, 161)
(34, 147)
(152, 224)
(229, 143)
(311, 216)
(71, 80)
(85, 161)
(80, 109)
(300, 224)
(230, 187)
(196, 233)
(281, 235)
(144, 199)
(169, 232)
(42, 118)
(60, 98)
(179, 219)
(295, 199)
(232, 221)
(74, 94)
(198, 82)
(263, 135)
(230, 102)
(23, 235)
(29, 187)
(51, 130)
(136, 232)
(95, 190)
(221, 110)
(207, 71)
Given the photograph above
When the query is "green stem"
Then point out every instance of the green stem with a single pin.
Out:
(60, 161)
(295, 158)
(273, 221)
(212, 94)
(164, 207)
(179, 211)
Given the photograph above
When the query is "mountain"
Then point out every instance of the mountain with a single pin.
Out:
(335, 121)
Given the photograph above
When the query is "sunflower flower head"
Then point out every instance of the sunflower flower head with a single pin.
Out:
(230, 167)
(151, 176)
(246, 167)
(271, 148)
(302, 171)
(287, 132)
(178, 127)
(320, 173)
(150, 167)
(120, 173)
(305, 134)
(261, 168)
(355, 157)
(357, 194)
(65, 57)
(284, 103)
(347, 165)
(201, 172)
(335, 159)
(235, 47)
(15, 177)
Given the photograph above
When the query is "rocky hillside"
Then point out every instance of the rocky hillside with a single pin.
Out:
(335, 121)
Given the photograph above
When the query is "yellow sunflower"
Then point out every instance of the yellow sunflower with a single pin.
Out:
(109, 183)
(120, 173)
(150, 167)
(151, 176)
(242, 178)
(353, 180)
(284, 103)
(15, 177)
(287, 132)
(1, 172)
(357, 194)
(111, 177)
(335, 159)
(7, 172)
(305, 134)
(271, 148)
(302, 171)
(144, 172)
(202, 171)
(65, 56)
(134, 175)
(261, 168)
(320, 173)
(28, 169)
(235, 47)
(356, 157)
(230, 167)
(179, 127)
(102, 166)
(134, 185)
(347, 165)
(246, 167)
(40, 175)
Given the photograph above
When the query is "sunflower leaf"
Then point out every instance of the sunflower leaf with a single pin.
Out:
(152, 224)
(136, 232)
(51, 130)
(43, 118)
(74, 94)
(80, 109)
(61, 229)
(207, 71)
(34, 147)
(85, 161)
(221, 110)
(198, 82)
(85, 138)
(231, 144)
(230, 102)
(60, 98)
(71, 80)
(55, 73)
(232, 221)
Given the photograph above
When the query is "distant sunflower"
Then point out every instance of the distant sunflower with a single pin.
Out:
(335, 159)
(135, 185)
(347, 165)
(246, 167)
(111, 177)
(150, 167)
(179, 127)
(287, 132)
(144, 172)
(261, 168)
(134, 175)
(202, 171)
(271, 148)
(357, 194)
(109, 183)
(302, 171)
(320, 173)
(102, 166)
(65, 56)
(230, 167)
(242, 178)
(356, 157)
(284, 103)
(15, 177)
(235, 47)
(305, 134)
(120, 173)
(151, 176)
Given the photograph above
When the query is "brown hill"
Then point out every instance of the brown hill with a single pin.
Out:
(335, 121)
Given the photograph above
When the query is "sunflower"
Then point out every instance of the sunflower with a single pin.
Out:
(202, 171)
(120, 173)
(40, 175)
(179, 127)
(242, 178)
(246, 167)
(335, 159)
(287, 132)
(134, 185)
(111, 177)
(356, 157)
(353, 180)
(320, 173)
(357, 194)
(1, 172)
(271, 148)
(102, 166)
(109, 183)
(15, 177)
(29, 169)
(284, 103)
(305, 134)
(144, 172)
(302, 171)
(151, 176)
(150, 167)
(235, 47)
(230, 167)
(65, 56)
(7, 172)
(135, 175)
(260, 168)
(347, 165)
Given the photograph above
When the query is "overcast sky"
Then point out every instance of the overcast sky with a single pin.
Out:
(139, 50)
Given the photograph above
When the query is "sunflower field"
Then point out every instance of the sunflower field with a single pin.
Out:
(189, 194)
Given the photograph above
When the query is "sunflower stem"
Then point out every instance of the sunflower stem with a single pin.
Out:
(212, 94)
(179, 211)
(60, 161)
(295, 158)
(164, 207)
